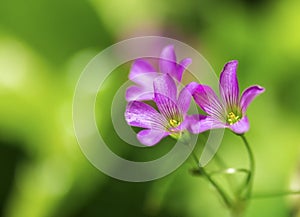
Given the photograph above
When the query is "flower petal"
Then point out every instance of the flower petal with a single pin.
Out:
(139, 114)
(165, 92)
(249, 95)
(229, 87)
(150, 137)
(208, 101)
(138, 93)
(240, 127)
(200, 123)
(145, 90)
(165, 86)
(185, 96)
(139, 67)
(180, 68)
(145, 79)
(168, 107)
(167, 60)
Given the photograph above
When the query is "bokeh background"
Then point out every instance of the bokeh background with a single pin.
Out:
(44, 46)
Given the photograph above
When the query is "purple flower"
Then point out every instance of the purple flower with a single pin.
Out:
(142, 73)
(171, 114)
(230, 110)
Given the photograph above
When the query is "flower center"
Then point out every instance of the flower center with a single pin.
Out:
(232, 118)
(174, 123)
(174, 129)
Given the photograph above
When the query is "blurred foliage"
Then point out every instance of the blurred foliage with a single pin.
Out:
(44, 46)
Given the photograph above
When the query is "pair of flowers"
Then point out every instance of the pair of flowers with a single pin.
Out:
(171, 118)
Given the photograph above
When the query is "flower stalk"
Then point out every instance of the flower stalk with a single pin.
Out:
(221, 192)
(250, 177)
(203, 172)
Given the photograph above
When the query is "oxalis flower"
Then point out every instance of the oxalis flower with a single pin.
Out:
(143, 73)
(169, 120)
(230, 110)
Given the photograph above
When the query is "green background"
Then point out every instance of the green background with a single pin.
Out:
(44, 46)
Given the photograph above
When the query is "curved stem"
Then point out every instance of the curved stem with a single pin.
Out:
(249, 181)
(223, 168)
(217, 187)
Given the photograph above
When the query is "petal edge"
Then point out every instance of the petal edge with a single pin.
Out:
(167, 60)
(240, 127)
(249, 95)
(229, 86)
(139, 114)
(150, 137)
(208, 101)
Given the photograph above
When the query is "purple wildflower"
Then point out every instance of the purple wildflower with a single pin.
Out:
(142, 73)
(170, 119)
(230, 110)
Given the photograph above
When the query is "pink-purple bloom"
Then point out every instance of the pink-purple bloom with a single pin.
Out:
(142, 73)
(170, 119)
(230, 110)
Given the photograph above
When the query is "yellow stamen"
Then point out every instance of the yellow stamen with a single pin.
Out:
(232, 118)
(173, 128)
(174, 123)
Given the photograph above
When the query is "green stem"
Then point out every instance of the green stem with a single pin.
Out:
(208, 177)
(217, 187)
(249, 180)
(231, 180)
